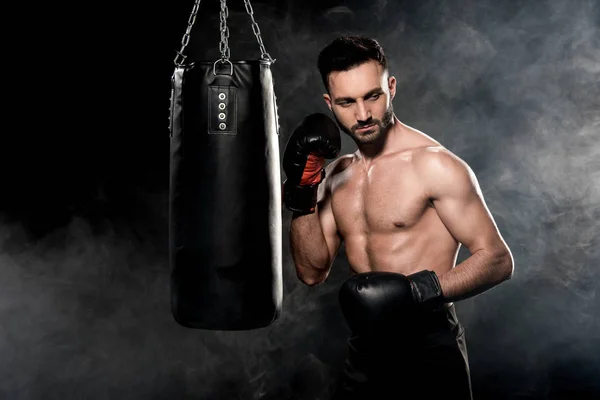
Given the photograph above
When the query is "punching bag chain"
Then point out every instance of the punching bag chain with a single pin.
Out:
(224, 29)
(256, 30)
(224, 43)
(180, 57)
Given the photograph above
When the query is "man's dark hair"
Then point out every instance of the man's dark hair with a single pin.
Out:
(347, 52)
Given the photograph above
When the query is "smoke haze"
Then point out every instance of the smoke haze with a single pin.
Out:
(512, 88)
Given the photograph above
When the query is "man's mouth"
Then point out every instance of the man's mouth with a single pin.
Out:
(366, 127)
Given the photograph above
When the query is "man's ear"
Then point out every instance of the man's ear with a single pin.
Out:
(392, 87)
(327, 99)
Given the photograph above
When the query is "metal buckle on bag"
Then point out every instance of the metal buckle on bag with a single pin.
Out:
(222, 61)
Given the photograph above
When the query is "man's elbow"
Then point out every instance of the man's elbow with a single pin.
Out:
(311, 281)
(312, 278)
(506, 265)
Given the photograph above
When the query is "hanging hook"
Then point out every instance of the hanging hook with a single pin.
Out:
(223, 62)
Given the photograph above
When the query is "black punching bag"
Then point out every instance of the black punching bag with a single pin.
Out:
(225, 236)
(225, 197)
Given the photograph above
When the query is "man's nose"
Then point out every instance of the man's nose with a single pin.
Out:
(362, 113)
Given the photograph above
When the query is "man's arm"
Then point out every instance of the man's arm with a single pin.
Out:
(314, 240)
(457, 198)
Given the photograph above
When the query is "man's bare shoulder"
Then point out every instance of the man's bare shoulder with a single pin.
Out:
(338, 165)
(436, 158)
(416, 145)
(332, 169)
(422, 155)
(443, 171)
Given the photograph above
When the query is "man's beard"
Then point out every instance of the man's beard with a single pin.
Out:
(372, 134)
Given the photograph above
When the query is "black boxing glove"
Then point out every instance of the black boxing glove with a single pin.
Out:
(426, 290)
(375, 302)
(316, 138)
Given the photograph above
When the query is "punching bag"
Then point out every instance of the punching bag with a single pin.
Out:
(225, 193)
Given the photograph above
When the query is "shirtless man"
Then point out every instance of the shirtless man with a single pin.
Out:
(403, 204)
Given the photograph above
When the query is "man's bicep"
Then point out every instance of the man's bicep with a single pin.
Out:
(328, 223)
(461, 207)
(468, 221)
(329, 227)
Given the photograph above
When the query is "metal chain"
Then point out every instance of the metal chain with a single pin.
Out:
(186, 37)
(224, 43)
(256, 30)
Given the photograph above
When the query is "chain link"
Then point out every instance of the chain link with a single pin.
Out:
(180, 57)
(224, 29)
(224, 43)
(263, 52)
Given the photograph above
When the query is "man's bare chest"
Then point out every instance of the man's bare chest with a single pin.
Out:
(377, 200)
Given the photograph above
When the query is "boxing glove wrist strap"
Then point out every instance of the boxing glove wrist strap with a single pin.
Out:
(426, 289)
(302, 199)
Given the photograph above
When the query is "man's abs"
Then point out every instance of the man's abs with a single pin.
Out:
(406, 251)
(386, 220)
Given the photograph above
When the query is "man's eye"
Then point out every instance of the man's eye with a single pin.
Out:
(345, 104)
(375, 97)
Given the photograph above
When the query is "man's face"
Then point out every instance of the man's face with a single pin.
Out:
(361, 101)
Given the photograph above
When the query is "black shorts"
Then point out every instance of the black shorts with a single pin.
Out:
(427, 359)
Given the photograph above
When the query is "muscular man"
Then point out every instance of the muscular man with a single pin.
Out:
(403, 204)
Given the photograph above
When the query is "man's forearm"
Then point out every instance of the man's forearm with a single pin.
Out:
(478, 273)
(309, 248)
